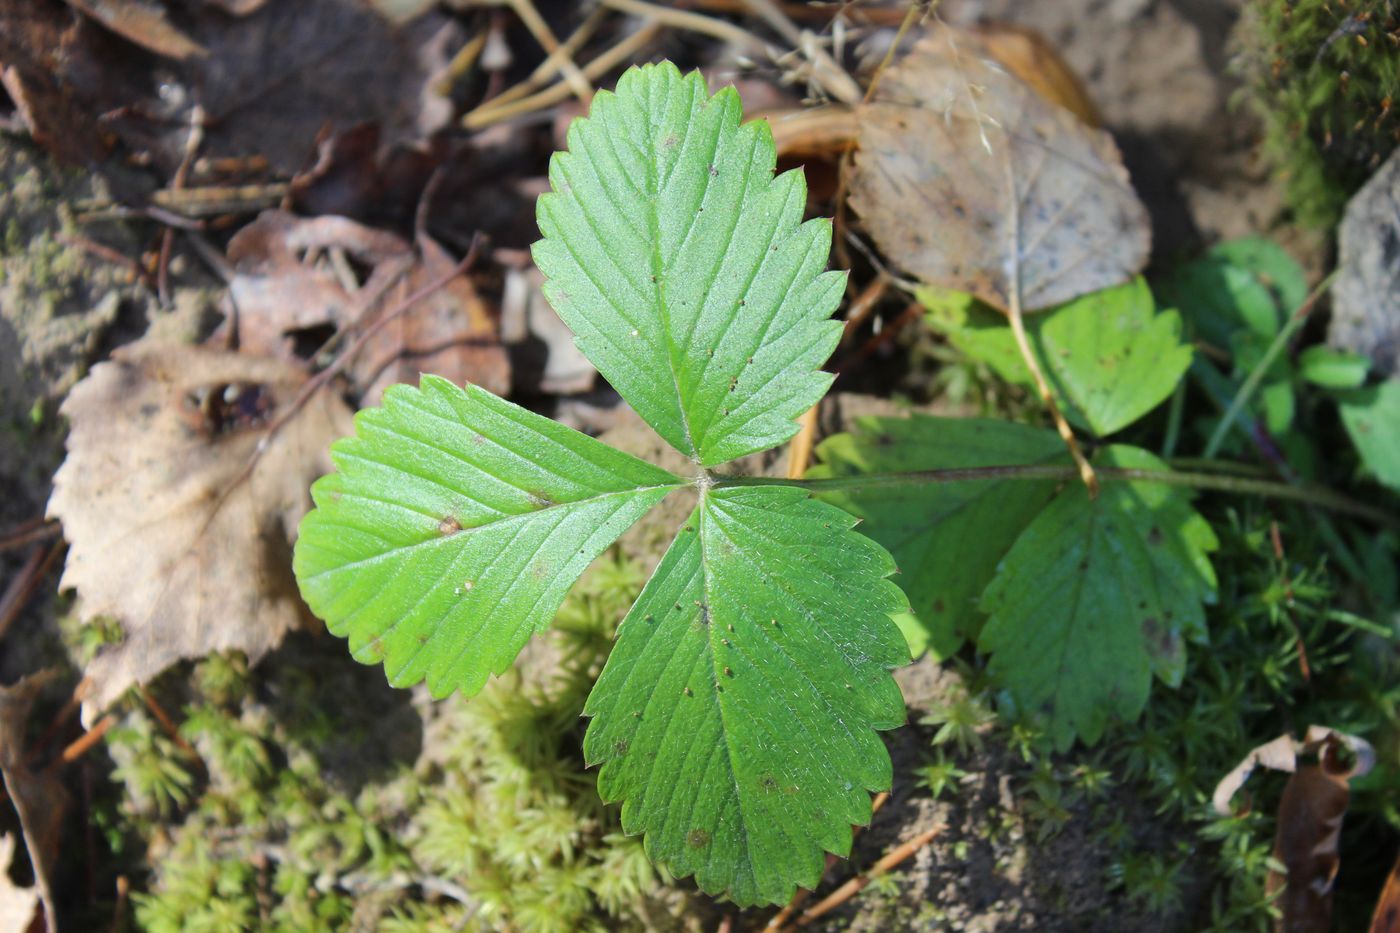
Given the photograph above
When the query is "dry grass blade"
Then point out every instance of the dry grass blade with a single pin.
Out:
(38, 796)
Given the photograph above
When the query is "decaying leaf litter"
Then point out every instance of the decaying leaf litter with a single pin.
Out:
(226, 141)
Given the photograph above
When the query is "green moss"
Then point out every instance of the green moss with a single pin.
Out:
(493, 824)
(1325, 78)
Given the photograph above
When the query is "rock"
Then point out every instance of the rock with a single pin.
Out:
(1366, 296)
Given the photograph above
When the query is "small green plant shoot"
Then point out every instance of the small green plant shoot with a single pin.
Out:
(736, 715)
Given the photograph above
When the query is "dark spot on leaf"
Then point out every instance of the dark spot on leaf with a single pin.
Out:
(423, 638)
(697, 838)
(449, 526)
(541, 500)
(620, 747)
(938, 605)
(728, 672)
(1154, 537)
(1161, 642)
(768, 782)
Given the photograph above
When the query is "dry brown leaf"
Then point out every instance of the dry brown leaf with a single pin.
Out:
(1029, 56)
(35, 38)
(37, 796)
(171, 534)
(19, 907)
(1281, 754)
(451, 333)
(1309, 818)
(143, 23)
(968, 179)
(283, 283)
(1386, 918)
(274, 79)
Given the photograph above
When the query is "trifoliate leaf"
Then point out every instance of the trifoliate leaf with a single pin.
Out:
(947, 538)
(1372, 418)
(1109, 356)
(1095, 597)
(683, 267)
(736, 716)
(455, 526)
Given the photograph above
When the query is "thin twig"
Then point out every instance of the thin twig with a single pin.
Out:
(1018, 329)
(825, 69)
(525, 9)
(168, 725)
(80, 746)
(35, 529)
(853, 887)
(24, 584)
(548, 68)
(484, 116)
(686, 21)
(193, 141)
(802, 895)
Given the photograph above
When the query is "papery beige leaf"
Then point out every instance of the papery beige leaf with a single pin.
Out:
(18, 906)
(969, 180)
(171, 534)
(39, 800)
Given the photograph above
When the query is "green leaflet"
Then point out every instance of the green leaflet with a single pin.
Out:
(949, 537)
(1097, 596)
(736, 714)
(453, 528)
(1108, 356)
(1372, 418)
(1236, 298)
(683, 267)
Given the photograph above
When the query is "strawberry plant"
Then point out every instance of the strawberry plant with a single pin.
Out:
(737, 716)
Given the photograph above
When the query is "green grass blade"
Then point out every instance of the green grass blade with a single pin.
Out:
(454, 526)
(683, 266)
(736, 716)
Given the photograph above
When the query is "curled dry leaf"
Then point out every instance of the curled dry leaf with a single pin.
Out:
(1281, 754)
(968, 179)
(39, 800)
(172, 533)
(285, 280)
(296, 274)
(1310, 816)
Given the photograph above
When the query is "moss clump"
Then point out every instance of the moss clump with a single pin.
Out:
(1325, 77)
(303, 808)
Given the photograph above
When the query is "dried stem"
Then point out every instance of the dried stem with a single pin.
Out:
(485, 116)
(1018, 329)
(853, 887)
